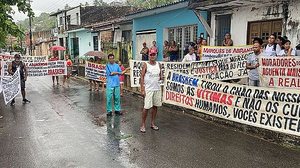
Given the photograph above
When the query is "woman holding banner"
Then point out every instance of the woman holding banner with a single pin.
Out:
(69, 70)
(54, 58)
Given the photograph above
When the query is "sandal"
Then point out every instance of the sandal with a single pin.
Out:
(155, 128)
(143, 130)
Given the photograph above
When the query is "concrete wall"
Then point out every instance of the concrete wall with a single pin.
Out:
(160, 22)
(241, 16)
(72, 13)
(85, 40)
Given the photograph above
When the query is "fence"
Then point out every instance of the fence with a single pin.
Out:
(121, 50)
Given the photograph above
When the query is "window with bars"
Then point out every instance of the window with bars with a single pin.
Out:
(183, 35)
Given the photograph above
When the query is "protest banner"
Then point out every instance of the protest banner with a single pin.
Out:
(226, 68)
(95, 71)
(57, 68)
(36, 65)
(276, 110)
(11, 86)
(280, 72)
(213, 52)
(136, 69)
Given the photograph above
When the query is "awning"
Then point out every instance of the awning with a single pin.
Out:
(215, 5)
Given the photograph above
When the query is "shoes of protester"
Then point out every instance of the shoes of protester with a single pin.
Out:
(109, 114)
(143, 130)
(118, 113)
(26, 101)
(1, 116)
(12, 103)
(155, 128)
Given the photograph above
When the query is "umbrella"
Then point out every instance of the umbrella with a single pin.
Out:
(57, 48)
(98, 54)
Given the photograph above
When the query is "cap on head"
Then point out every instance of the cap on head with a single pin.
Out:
(151, 52)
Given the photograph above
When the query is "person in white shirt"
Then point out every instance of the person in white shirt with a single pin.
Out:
(272, 48)
(191, 56)
(288, 50)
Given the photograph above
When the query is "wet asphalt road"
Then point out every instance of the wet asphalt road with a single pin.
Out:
(68, 128)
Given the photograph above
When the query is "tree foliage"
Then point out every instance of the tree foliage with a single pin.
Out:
(7, 24)
(100, 3)
(148, 3)
(40, 23)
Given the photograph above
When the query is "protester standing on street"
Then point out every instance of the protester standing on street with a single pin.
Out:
(252, 63)
(280, 41)
(69, 71)
(287, 49)
(113, 71)
(190, 56)
(12, 68)
(151, 90)
(227, 40)
(173, 50)
(145, 52)
(166, 51)
(54, 58)
(272, 48)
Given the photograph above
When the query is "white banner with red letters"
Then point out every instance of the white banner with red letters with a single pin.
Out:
(94, 71)
(280, 72)
(268, 108)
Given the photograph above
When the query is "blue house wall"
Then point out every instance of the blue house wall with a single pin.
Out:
(161, 21)
(85, 40)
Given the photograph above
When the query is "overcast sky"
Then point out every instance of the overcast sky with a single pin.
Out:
(48, 6)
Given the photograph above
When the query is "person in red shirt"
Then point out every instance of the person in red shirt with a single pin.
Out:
(54, 58)
(69, 70)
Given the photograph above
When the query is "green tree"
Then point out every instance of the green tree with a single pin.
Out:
(40, 23)
(148, 3)
(7, 24)
(100, 3)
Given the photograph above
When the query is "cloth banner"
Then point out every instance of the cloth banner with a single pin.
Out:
(233, 67)
(57, 68)
(95, 71)
(280, 72)
(213, 52)
(269, 108)
(11, 86)
(37, 65)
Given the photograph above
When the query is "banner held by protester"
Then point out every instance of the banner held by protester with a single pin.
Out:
(94, 71)
(11, 86)
(268, 108)
(213, 52)
(280, 72)
(57, 68)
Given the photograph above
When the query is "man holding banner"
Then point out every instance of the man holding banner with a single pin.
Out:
(252, 63)
(12, 68)
(150, 88)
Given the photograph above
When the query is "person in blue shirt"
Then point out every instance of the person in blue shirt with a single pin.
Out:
(113, 71)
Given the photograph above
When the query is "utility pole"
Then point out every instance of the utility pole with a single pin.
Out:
(30, 32)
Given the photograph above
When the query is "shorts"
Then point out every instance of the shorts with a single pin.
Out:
(22, 84)
(152, 98)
